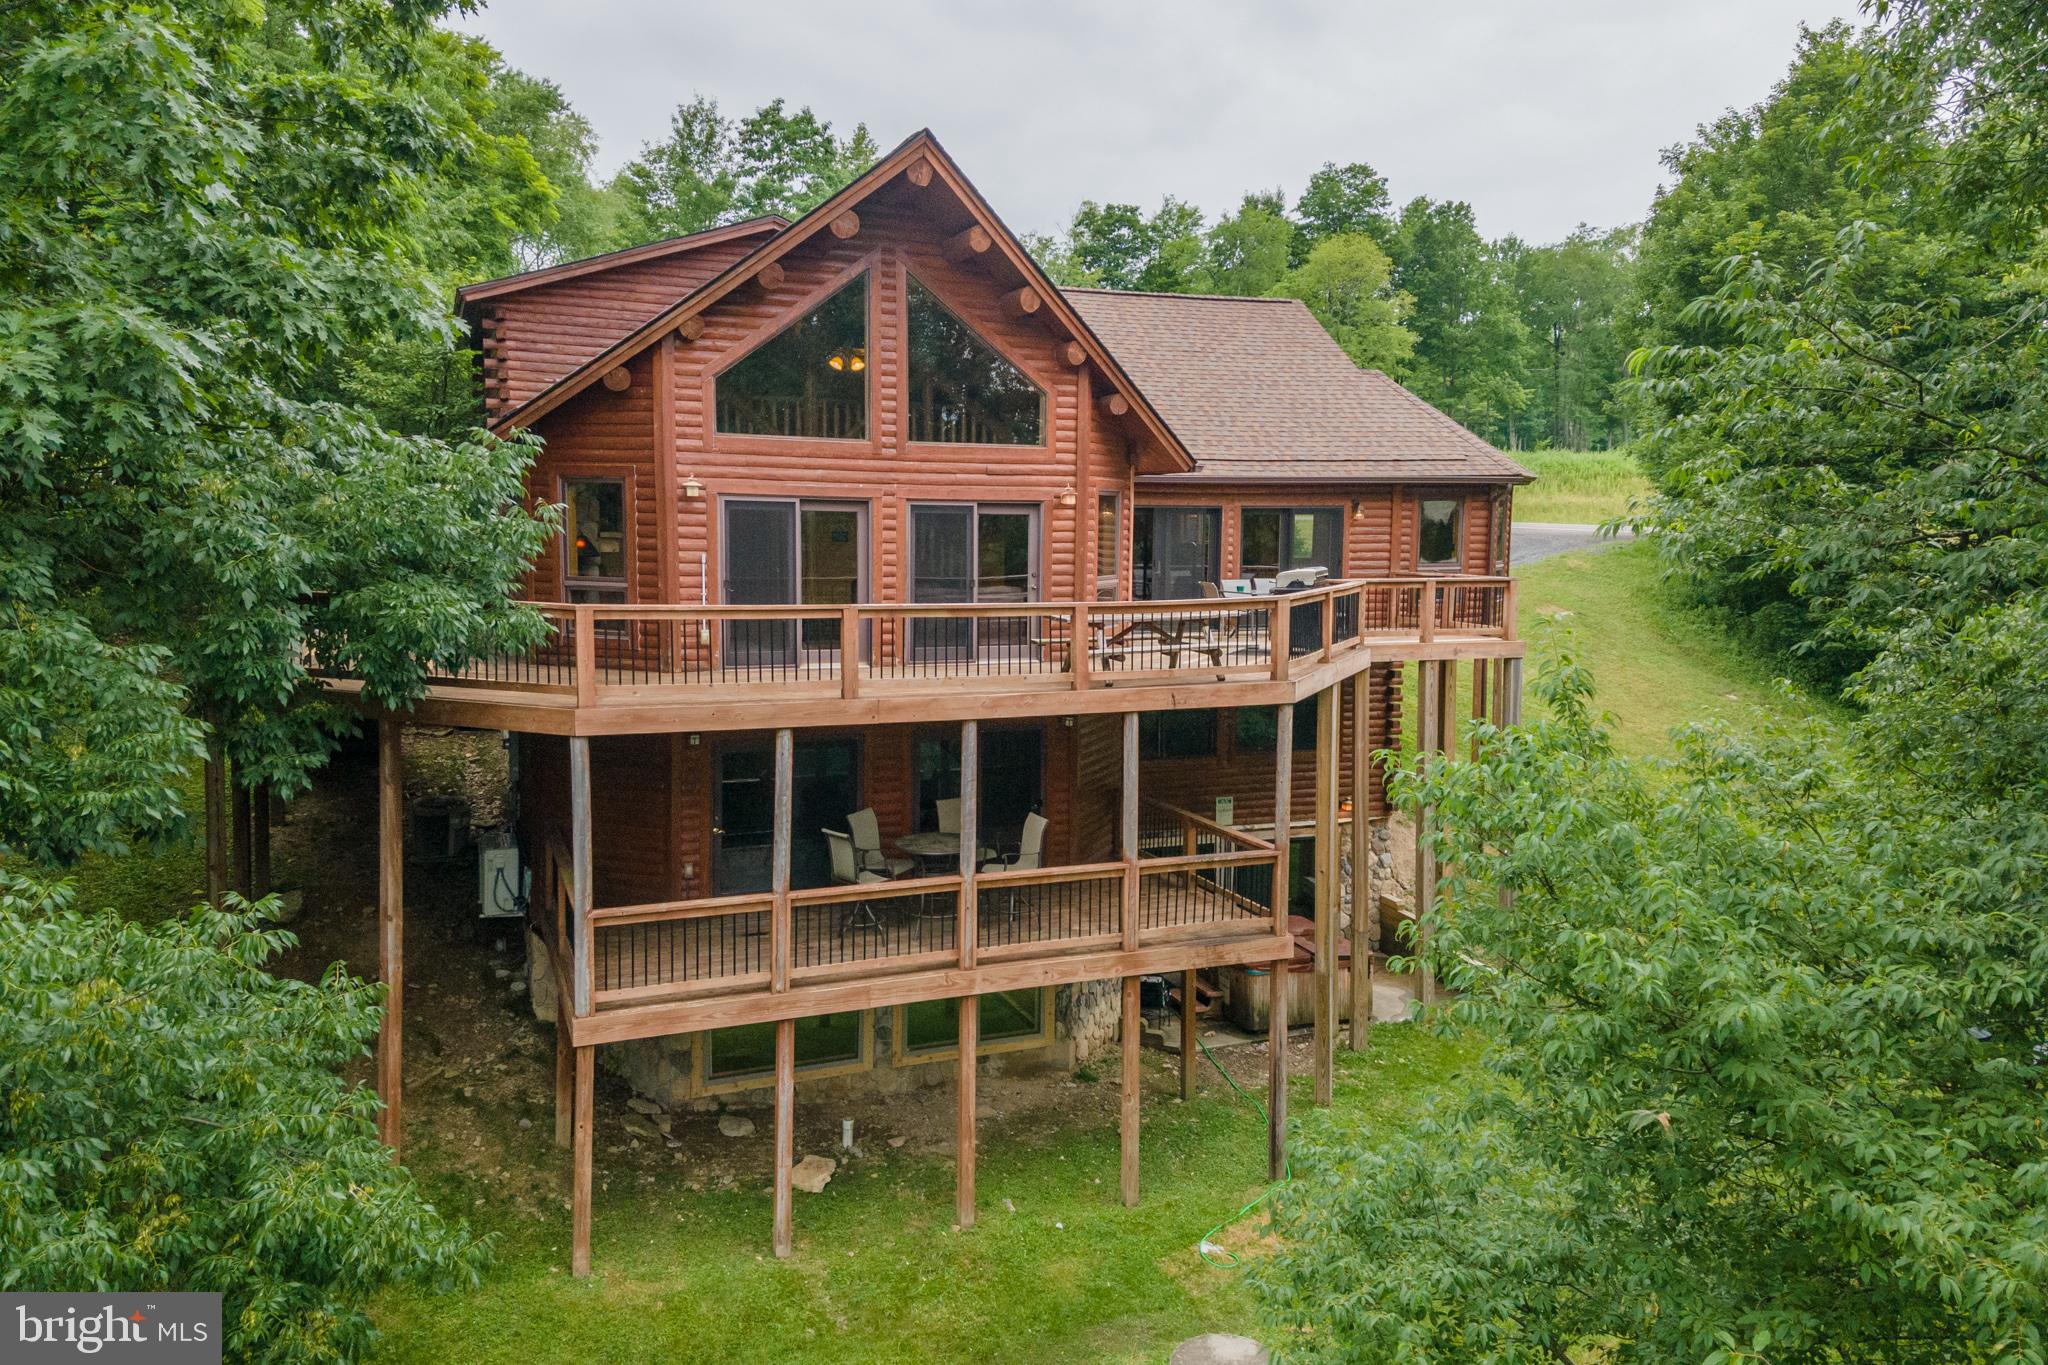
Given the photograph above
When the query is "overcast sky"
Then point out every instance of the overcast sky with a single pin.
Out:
(1543, 115)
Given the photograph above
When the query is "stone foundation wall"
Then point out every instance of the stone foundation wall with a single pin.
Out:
(1086, 1017)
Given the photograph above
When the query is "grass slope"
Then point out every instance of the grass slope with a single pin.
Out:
(1056, 1270)
(1584, 486)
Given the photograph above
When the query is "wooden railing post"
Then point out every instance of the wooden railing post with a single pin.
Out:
(1077, 647)
(1510, 623)
(1281, 634)
(1426, 616)
(586, 657)
(1329, 621)
(579, 867)
(849, 652)
(778, 915)
(970, 839)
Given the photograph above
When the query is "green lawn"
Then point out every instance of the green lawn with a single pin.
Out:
(1588, 486)
(1057, 1269)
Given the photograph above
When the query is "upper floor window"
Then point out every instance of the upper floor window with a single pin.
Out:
(1108, 521)
(809, 379)
(594, 540)
(1276, 539)
(961, 388)
(1441, 523)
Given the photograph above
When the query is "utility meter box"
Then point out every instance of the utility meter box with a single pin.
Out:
(500, 881)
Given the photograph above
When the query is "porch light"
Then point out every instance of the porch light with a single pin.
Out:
(1067, 496)
(691, 488)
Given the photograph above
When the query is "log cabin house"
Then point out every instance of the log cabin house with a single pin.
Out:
(864, 514)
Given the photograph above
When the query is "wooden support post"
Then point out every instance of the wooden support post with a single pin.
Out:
(579, 1162)
(583, 951)
(245, 839)
(1328, 729)
(785, 1130)
(849, 652)
(1480, 670)
(1511, 692)
(585, 645)
(1283, 810)
(1429, 714)
(1187, 1033)
(216, 822)
(778, 860)
(1129, 840)
(968, 243)
(391, 924)
(260, 841)
(1276, 1080)
(1281, 635)
(963, 1115)
(970, 840)
(1133, 1031)
(1363, 893)
(565, 1078)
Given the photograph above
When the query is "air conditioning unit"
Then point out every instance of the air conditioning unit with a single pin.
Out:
(501, 883)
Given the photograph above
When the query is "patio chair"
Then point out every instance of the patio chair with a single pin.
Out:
(949, 822)
(866, 833)
(846, 873)
(1030, 854)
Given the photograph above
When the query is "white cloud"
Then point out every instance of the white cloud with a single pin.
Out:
(1542, 115)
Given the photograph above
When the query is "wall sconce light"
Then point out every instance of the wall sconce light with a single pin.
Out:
(1067, 496)
(1358, 509)
(691, 488)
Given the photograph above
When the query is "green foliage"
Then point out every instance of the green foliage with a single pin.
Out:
(175, 1120)
(1468, 332)
(1763, 1029)
(206, 208)
(1115, 246)
(712, 169)
(1347, 282)
(1247, 252)
(1584, 486)
(1341, 201)
(1575, 300)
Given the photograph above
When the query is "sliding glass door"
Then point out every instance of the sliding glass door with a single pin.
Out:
(964, 552)
(786, 551)
(1175, 551)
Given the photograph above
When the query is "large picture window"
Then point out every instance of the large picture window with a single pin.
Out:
(1440, 533)
(594, 540)
(961, 388)
(1277, 539)
(822, 1040)
(930, 1026)
(809, 379)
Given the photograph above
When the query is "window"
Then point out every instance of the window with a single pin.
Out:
(1437, 539)
(788, 551)
(930, 1026)
(822, 1040)
(1177, 734)
(1108, 523)
(1174, 551)
(809, 379)
(1276, 539)
(1012, 783)
(1256, 725)
(594, 540)
(961, 388)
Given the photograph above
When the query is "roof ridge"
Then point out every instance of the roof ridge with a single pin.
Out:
(1170, 294)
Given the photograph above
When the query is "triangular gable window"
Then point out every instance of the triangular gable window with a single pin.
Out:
(961, 388)
(809, 379)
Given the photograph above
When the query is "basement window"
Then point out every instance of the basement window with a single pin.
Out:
(929, 1029)
(748, 1051)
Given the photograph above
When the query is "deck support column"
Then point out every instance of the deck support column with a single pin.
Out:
(582, 950)
(1328, 729)
(579, 1162)
(785, 1131)
(391, 924)
(565, 1077)
(778, 860)
(1133, 1032)
(1129, 833)
(970, 843)
(1276, 1024)
(1429, 713)
(1362, 892)
(1188, 1047)
(966, 1100)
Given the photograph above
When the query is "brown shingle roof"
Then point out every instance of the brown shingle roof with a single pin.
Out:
(1256, 389)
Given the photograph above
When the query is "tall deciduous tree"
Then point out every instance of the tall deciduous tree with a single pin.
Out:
(205, 206)
(1468, 335)
(1118, 247)
(1339, 201)
(1247, 252)
(1347, 282)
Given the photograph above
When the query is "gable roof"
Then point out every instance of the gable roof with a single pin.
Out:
(646, 251)
(920, 145)
(1258, 390)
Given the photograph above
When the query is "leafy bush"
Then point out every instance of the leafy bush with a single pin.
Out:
(172, 1116)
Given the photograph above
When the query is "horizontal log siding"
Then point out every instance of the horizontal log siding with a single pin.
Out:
(534, 337)
(603, 434)
(630, 787)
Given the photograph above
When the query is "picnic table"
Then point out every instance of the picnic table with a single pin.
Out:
(1201, 634)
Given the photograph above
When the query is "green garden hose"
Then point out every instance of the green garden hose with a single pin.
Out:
(1213, 1252)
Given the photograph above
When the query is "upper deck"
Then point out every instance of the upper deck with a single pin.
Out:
(664, 668)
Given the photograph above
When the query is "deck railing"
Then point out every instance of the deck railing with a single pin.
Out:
(596, 652)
